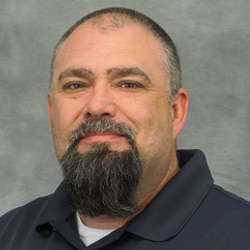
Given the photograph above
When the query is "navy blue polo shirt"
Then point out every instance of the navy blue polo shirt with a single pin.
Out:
(190, 212)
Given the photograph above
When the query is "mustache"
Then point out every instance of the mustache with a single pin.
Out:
(101, 125)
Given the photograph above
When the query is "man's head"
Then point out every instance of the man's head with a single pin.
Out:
(115, 71)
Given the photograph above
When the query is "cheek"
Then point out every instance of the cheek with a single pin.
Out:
(64, 114)
(64, 119)
(154, 127)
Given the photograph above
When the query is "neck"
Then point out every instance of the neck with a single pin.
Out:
(104, 222)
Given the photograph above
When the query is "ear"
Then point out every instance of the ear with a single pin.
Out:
(179, 111)
(49, 107)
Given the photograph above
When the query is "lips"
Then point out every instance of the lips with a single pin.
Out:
(101, 136)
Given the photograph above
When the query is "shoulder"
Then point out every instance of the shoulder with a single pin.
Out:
(221, 221)
(224, 199)
(23, 222)
(226, 218)
(24, 215)
(224, 207)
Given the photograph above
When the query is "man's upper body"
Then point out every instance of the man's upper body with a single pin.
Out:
(189, 213)
(116, 106)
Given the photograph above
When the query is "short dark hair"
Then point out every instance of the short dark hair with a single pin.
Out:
(121, 14)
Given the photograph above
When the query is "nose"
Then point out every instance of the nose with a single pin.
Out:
(100, 103)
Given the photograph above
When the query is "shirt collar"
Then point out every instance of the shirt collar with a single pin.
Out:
(56, 210)
(171, 209)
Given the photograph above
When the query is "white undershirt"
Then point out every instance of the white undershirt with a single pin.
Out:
(90, 235)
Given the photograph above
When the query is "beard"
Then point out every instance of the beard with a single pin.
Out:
(101, 181)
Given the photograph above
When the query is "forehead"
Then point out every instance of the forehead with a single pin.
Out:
(123, 41)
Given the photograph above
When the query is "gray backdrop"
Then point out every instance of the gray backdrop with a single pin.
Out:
(213, 38)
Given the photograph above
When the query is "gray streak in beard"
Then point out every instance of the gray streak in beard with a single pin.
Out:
(102, 181)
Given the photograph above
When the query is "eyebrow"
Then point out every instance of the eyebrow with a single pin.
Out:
(113, 73)
(123, 72)
(81, 73)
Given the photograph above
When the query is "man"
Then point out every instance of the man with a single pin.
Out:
(116, 107)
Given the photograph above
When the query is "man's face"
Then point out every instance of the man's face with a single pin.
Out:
(118, 74)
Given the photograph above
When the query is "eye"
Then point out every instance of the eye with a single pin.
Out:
(73, 86)
(130, 85)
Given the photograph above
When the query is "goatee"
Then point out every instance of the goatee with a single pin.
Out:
(102, 181)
